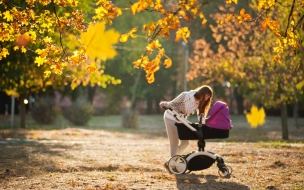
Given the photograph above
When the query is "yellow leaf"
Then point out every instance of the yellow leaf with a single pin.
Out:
(278, 49)
(221, 22)
(4, 52)
(23, 50)
(300, 85)
(256, 116)
(134, 8)
(16, 48)
(119, 12)
(39, 60)
(92, 68)
(47, 39)
(242, 12)
(183, 33)
(230, 1)
(168, 63)
(12, 93)
(150, 78)
(99, 42)
(247, 17)
(8, 16)
(228, 17)
(132, 32)
(124, 37)
(73, 3)
(47, 73)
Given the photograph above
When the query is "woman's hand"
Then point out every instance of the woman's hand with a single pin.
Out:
(163, 103)
(200, 116)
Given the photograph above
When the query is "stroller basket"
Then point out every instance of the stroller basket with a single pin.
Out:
(217, 125)
(184, 133)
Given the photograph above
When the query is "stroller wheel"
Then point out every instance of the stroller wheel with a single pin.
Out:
(225, 171)
(177, 165)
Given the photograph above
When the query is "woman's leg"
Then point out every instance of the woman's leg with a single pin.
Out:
(182, 146)
(172, 135)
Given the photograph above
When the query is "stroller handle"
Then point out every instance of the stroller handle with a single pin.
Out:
(165, 108)
(200, 117)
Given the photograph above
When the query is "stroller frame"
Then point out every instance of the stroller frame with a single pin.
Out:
(179, 164)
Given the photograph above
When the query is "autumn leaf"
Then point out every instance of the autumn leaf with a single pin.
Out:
(47, 73)
(47, 39)
(150, 78)
(264, 24)
(4, 52)
(230, 1)
(99, 42)
(92, 67)
(183, 33)
(153, 45)
(23, 49)
(132, 32)
(12, 93)
(124, 37)
(8, 16)
(39, 61)
(256, 116)
(168, 63)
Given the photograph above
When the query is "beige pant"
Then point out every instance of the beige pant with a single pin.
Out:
(177, 146)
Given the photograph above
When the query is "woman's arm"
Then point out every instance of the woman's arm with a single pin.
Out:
(175, 103)
(178, 100)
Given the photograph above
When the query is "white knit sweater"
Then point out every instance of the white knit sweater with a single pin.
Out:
(185, 104)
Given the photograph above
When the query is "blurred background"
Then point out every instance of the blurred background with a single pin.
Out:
(234, 59)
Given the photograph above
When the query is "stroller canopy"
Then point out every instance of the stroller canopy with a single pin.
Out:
(219, 117)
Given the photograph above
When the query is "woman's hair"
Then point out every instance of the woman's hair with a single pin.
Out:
(203, 106)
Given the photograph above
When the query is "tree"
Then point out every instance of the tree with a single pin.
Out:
(23, 74)
(243, 57)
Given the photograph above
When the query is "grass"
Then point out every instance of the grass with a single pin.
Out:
(154, 125)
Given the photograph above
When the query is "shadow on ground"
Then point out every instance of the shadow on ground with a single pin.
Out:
(206, 182)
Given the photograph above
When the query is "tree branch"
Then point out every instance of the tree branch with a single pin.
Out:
(60, 33)
(289, 16)
(299, 22)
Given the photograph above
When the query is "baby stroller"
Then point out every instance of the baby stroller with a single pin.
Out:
(216, 126)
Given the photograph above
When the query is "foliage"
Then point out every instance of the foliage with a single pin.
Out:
(34, 21)
(44, 111)
(256, 117)
(79, 113)
(243, 57)
(127, 53)
(42, 30)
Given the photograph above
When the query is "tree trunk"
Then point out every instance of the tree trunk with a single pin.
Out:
(239, 101)
(284, 121)
(91, 93)
(158, 110)
(22, 112)
(149, 105)
(133, 99)
(130, 116)
(295, 113)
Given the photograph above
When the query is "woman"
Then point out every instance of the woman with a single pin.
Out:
(186, 103)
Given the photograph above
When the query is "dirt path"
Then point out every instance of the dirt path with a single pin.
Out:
(96, 159)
